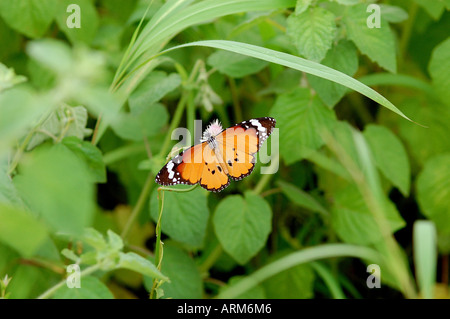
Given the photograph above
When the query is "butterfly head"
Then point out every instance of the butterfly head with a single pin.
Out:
(211, 131)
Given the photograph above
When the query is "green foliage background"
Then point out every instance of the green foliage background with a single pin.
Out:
(86, 116)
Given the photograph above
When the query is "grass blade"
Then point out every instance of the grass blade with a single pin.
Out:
(425, 256)
(296, 63)
(297, 258)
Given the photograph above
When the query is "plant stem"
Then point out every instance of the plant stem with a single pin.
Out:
(48, 293)
(406, 34)
(235, 97)
(211, 259)
(122, 152)
(138, 207)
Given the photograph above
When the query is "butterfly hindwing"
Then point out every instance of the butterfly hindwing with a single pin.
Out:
(214, 177)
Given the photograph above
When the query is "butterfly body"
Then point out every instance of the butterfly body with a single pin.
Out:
(223, 155)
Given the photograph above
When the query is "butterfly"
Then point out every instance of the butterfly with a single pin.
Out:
(222, 155)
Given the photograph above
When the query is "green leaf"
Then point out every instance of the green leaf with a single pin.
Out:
(90, 154)
(312, 32)
(142, 123)
(91, 288)
(390, 156)
(342, 57)
(29, 17)
(293, 283)
(179, 267)
(438, 67)
(301, 198)
(425, 256)
(302, 5)
(235, 65)
(20, 230)
(242, 225)
(296, 63)
(53, 54)
(433, 192)
(353, 221)
(8, 78)
(184, 217)
(424, 143)
(56, 185)
(89, 20)
(152, 89)
(433, 8)
(377, 43)
(300, 117)
(135, 262)
(393, 14)
(19, 109)
(115, 242)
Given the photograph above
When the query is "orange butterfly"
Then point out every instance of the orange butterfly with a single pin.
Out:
(222, 155)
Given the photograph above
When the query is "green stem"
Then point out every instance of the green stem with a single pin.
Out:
(123, 152)
(235, 97)
(48, 293)
(211, 259)
(138, 207)
(407, 29)
(175, 122)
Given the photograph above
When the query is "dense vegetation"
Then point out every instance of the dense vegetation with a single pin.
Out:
(90, 92)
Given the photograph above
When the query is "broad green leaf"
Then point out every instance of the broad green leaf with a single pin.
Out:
(89, 20)
(115, 242)
(29, 17)
(8, 78)
(302, 5)
(393, 14)
(135, 262)
(433, 8)
(19, 109)
(390, 156)
(8, 192)
(353, 221)
(185, 279)
(342, 57)
(433, 191)
(56, 185)
(242, 225)
(28, 282)
(65, 121)
(312, 32)
(438, 67)
(300, 117)
(296, 63)
(53, 54)
(152, 89)
(425, 256)
(235, 65)
(144, 122)
(90, 154)
(293, 283)
(377, 43)
(184, 217)
(424, 143)
(301, 198)
(20, 230)
(91, 288)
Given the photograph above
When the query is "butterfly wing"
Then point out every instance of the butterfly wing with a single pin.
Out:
(185, 168)
(197, 164)
(240, 143)
(214, 177)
